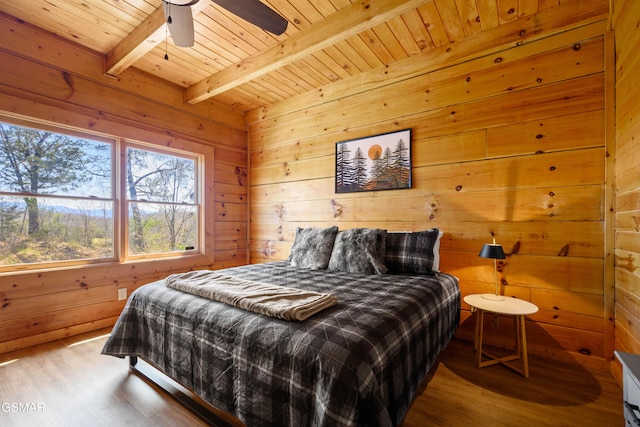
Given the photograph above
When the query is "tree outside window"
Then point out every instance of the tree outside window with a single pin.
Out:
(55, 196)
(162, 194)
(58, 198)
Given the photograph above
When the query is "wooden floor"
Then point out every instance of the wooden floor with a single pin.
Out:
(69, 383)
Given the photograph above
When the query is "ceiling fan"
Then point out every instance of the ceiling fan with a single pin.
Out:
(180, 19)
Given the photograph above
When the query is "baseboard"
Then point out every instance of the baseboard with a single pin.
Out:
(45, 337)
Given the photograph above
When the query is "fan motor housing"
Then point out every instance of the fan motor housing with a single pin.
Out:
(181, 2)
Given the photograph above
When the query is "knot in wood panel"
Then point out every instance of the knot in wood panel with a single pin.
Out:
(268, 249)
(241, 175)
(564, 251)
(337, 208)
(626, 263)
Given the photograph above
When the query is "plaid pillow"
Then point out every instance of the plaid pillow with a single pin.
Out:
(414, 252)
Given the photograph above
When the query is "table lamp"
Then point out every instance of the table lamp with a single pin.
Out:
(495, 252)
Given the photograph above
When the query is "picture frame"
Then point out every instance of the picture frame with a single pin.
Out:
(374, 163)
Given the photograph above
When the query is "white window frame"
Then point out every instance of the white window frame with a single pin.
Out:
(124, 211)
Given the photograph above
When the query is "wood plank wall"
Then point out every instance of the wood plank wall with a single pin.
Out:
(627, 185)
(508, 142)
(44, 77)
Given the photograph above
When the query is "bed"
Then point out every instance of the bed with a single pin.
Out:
(358, 362)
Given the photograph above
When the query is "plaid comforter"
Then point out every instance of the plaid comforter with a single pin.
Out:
(357, 363)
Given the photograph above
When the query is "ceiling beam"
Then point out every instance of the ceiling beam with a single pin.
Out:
(138, 43)
(346, 22)
(141, 40)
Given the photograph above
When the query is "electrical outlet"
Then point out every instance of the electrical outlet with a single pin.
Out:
(122, 294)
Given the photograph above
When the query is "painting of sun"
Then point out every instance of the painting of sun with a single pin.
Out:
(378, 162)
(375, 152)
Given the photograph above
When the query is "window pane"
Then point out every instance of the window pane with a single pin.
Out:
(40, 229)
(162, 227)
(163, 207)
(159, 177)
(45, 162)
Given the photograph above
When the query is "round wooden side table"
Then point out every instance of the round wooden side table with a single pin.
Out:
(481, 303)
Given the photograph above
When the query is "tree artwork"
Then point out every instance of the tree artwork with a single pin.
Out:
(380, 162)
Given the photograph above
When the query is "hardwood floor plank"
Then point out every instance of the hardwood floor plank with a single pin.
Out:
(556, 394)
(69, 383)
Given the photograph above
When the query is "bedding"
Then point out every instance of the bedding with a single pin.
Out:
(262, 298)
(359, 362)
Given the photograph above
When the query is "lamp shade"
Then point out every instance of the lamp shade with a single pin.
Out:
(492, 251)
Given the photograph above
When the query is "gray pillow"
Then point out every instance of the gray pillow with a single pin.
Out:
(312, 247)
(359, 250)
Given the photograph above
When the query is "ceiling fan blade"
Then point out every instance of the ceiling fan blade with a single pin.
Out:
(180, 23)
(257, 13)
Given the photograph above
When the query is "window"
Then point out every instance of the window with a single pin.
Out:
(60, 193)
(162, 199)
(56, 196)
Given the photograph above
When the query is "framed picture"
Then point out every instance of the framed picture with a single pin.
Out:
(373, 163)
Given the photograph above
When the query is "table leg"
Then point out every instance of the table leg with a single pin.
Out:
(479, 331)
(518, 336)
(520, 346)
(525, 359)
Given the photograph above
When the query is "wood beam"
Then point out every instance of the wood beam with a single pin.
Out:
(345, 23)
(141, 40)
(138, 43)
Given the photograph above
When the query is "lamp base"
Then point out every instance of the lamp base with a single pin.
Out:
(493, 297)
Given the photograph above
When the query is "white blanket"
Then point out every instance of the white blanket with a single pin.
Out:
(263, 298)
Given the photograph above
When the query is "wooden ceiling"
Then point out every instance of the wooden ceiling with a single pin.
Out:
(241, 65)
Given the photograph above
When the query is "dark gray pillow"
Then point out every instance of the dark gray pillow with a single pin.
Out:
(359, 250)
(312, 247)
(414, 253)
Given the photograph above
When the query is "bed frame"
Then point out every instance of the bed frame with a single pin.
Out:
(209, 414)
